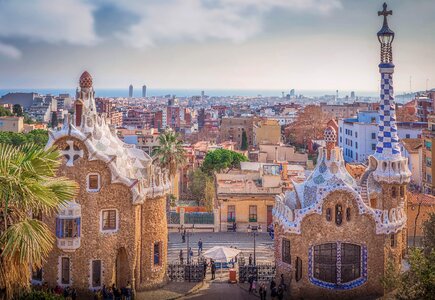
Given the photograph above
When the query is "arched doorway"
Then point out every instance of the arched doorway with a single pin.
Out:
(122, 270)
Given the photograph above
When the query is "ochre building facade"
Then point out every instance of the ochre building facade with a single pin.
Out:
(115, 230)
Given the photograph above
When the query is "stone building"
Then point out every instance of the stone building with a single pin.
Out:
(115, 230)
(335, 237)
(267, 132)
(232, 129)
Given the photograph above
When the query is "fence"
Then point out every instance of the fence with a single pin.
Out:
(174, 218)
(260, 272)
(198, 218)
(186, 272)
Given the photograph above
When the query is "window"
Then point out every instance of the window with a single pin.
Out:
(65, 272)
(157, 248)
(252, 213)
(428, 145)
(402, 191)
(332, 257)
(67, 228)
(93, 182)
(109, 220)
(37, 274)
(393, 240)
(356, 134)
(285, 247)
(96, 273)
(408, 136)
(348, 214)
(298, 269)
(328, 214)
(231, 214)
(373, 135)
(338, 214)
(428, 162)
(356, 145)
(325, 262)
(373, 147)
(393, 192)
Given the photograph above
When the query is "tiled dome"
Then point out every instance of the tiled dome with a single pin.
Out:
(330, 135)
(86, 80)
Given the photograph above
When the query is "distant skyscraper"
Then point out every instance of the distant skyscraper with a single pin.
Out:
(144, 91)
(202, 94)
(130, 91)
(352, 95)
(292, 92)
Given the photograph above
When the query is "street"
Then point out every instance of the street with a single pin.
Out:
(241, 240)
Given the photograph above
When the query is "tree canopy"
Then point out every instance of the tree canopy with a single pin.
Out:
(222, 159)
(17, 110)
(38, 137)
(28, 184)
(170, 152)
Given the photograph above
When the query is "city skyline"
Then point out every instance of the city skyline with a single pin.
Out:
(265, 45)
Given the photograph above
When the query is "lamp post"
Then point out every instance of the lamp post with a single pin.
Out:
(255, 233)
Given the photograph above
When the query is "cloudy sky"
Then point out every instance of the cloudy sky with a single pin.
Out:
(216, 44)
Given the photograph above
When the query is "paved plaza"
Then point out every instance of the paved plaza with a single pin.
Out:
(242, 240)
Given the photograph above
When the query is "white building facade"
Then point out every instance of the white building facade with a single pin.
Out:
(358, 136)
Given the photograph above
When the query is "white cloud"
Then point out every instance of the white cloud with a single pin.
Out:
(198, 20)
(159, 21)
(9, 51)
(60, 21)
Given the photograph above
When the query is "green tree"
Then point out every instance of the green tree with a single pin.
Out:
(244, 145)
(170, 152)
(197, 181)
(222, 159)
(209, 193)
(28, 183)
(17, 110)
(429, 234)
(4, 112)
(38, 137)
(54, 121)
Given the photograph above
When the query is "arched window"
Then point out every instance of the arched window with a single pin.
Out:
(298, 270)
(338, 214)
(393, 240)
(393, 192)
(402, 191)
(328, 214)
(348, 214)
(338, 265)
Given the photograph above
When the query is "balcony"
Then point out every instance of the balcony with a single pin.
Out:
(68, 244)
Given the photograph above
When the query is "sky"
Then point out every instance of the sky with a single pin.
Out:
(215, 44)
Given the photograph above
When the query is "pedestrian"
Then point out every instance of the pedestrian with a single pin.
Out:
(280, 293)
(273, 289)
(234, 227)
(282, 283)
(73, 294)
(190, 254)
(128, 291)
(199, 247)
(250, 259)
(205, 269)
(251, 283)
(263, 292)
(183, 236)
(181, 256)
(213, 269)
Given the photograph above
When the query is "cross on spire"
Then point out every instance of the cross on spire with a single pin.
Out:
(385, 13)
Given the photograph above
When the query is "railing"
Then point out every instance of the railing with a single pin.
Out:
(174, 218)
(199, 218)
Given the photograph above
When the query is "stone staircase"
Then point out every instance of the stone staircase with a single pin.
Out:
(364, 191)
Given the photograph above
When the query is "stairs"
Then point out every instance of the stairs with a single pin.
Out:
(364, 191)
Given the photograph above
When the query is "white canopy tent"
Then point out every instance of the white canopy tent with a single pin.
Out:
(221, 254)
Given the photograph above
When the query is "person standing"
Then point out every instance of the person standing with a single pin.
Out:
(282, 283)
(199, 247)
(213, 269)
(183, 236)
(262, 291)
(128, 291)
(190, 255)
(280, 293)
(273, 289)
(181, 256)
(250, 259)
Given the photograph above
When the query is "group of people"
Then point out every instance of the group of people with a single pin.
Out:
(276, 292)
(190, 252)
(114, 293)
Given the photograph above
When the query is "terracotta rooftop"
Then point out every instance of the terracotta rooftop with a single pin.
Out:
(412, 145)
(416, 198)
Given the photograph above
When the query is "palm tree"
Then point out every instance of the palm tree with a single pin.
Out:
(28, 185)
(170, 153)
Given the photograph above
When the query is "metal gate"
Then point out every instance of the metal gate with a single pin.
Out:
(260, 272)
(186, 272)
